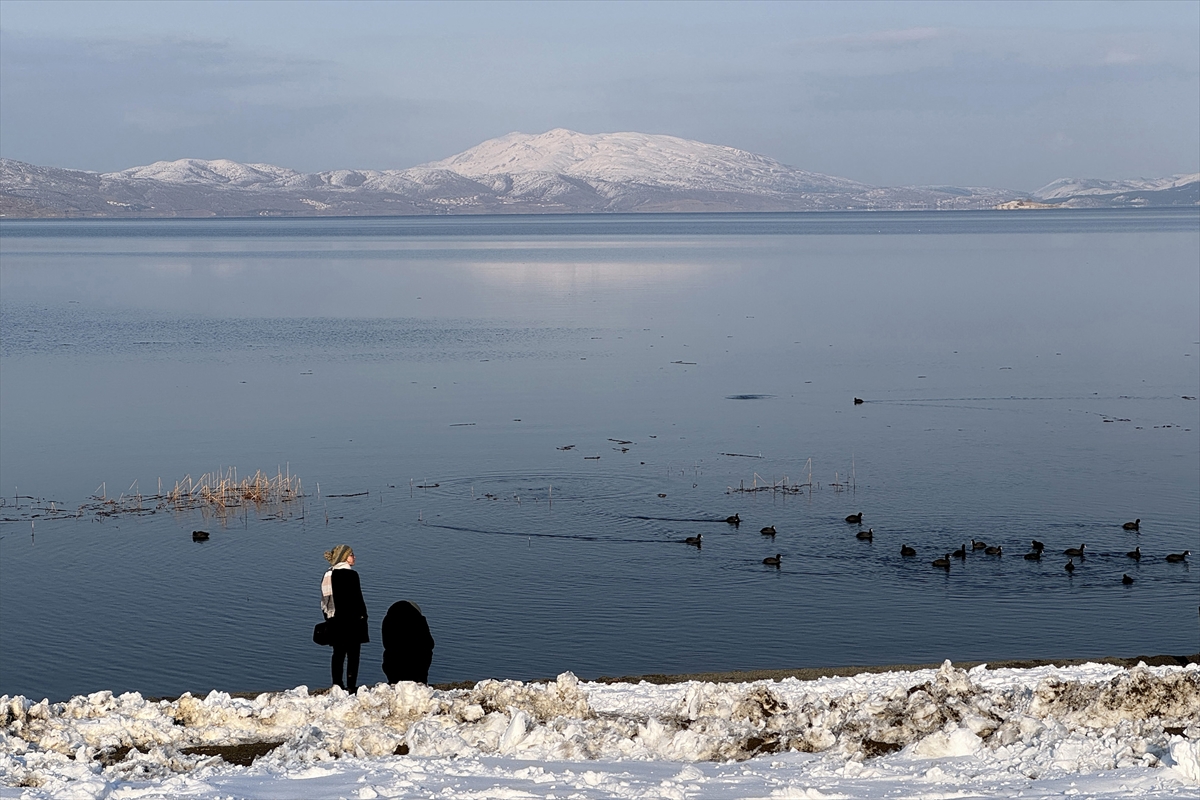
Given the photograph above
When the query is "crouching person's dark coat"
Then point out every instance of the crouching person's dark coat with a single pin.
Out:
(407, 644)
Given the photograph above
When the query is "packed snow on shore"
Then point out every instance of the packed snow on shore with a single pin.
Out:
(1094, 731)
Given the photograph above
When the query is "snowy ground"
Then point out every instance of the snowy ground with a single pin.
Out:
(1090, 731)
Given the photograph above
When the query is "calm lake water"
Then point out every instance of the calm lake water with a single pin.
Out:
(582, 394)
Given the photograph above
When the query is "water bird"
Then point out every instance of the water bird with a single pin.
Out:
(1033, 555)
(199, 536)
(943, 562)
(1070, 567)
(905, 550)
(694, 539)
(858, 401)
(1125, 579)
(773, 561)
(1074, 551)
(1175, 558)
(960, 552)
(855, 519)
(1133, 526)
(768, 531)
(735, 520)
(994, 551)
(1038, 546)
(867, 536)
(1135, 553)
(978, 545)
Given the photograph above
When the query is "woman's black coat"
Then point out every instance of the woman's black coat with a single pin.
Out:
(349, 619)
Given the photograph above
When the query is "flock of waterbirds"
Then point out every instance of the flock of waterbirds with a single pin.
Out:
(907, 551)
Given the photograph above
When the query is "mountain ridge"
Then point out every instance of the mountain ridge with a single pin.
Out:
(559, 171)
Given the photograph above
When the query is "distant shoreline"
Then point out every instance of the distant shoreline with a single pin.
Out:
(804, 674)
(810, 674)
(1003, 209)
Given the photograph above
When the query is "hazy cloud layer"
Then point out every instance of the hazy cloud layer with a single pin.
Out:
(975, 94)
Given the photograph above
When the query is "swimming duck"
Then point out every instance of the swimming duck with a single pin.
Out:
(694, 539)
(855, 519)
(1135, 553)
(773, 561)
(1175, 558)
(1125, 579)
(199, 536)
(943, 562)
(905, 550)
(1033, 555)
(858, 401)
(1070, 567)
(1038, 546)
(768, 531)
(994, 551)
(978, 545)
(1133, 526)
(960, 552)
(735, 520)
(1074, 551)
(867, 535)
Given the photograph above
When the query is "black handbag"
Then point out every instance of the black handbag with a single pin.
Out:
(323, 634)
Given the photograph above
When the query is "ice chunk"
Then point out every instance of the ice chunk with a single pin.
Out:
(954, 741)
(1185, 758)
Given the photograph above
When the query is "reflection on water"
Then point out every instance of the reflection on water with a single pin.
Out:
(576, 393)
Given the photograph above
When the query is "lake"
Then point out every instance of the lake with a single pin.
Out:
(516, 421)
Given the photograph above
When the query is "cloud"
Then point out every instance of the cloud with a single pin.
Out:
(889, 39)
(1121, 57)
(1061, 141)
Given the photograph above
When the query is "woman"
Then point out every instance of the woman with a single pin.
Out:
(343, 606)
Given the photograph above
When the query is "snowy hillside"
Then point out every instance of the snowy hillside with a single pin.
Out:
(197, 171)
(640, 158)
(1078, 187)
(1102, 732)
(560, 171)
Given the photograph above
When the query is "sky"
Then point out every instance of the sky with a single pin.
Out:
(1010, 94)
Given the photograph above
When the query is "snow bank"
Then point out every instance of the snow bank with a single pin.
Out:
(997, 729)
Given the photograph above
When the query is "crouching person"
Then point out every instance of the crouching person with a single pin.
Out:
(407, 644)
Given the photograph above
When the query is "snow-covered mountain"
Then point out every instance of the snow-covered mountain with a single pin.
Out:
(197, 171)
(639, 158)
(560, 171)
(1082, 187)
